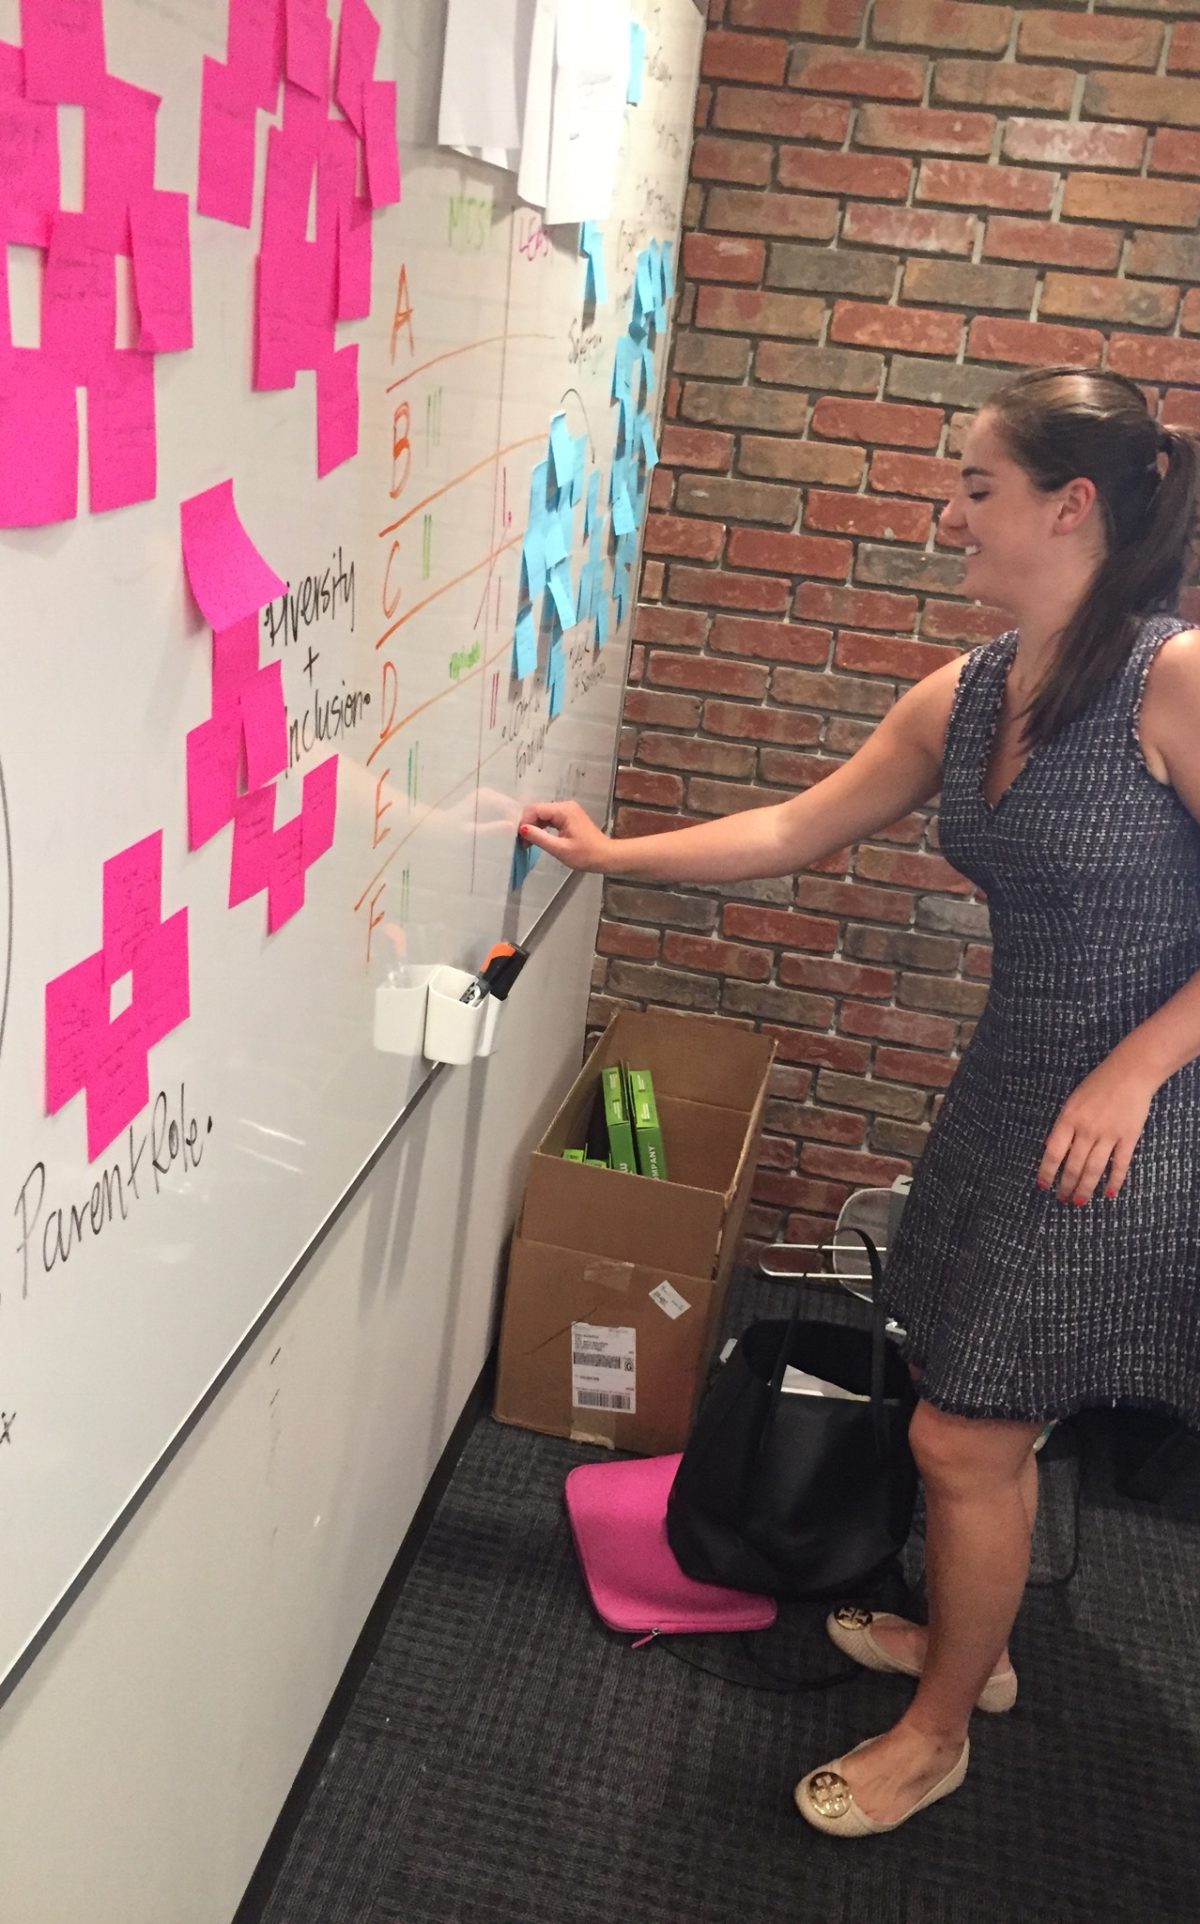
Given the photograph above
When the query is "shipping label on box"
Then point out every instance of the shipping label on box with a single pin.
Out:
(603, 1368)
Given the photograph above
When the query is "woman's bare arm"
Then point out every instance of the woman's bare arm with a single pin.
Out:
(897, 769)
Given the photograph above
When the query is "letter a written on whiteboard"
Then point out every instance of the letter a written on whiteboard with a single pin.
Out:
(591, 75)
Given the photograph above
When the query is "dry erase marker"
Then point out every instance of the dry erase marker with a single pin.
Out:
(497, 976)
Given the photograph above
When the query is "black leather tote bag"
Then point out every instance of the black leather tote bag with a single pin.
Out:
(799, 1496)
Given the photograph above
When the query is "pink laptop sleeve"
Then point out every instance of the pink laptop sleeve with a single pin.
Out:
(618, 1519)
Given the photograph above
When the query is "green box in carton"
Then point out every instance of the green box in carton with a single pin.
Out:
(573, 1155)
(616, 1117)
(647, 1132)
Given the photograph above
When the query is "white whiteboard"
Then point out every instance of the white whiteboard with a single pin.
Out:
(115, 1324)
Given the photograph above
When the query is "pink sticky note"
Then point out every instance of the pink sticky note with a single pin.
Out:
(162, 271)
(354, 261)
(79, 297)
(12, 69)
(76, 1015)
(287, 190)
(337, 408)
(255, 49)
(253, 839)
(228, 576)
(161, 991)
(294, 310)
(278, 334)
(285, 885)
(63, 41)
(132, 902)
(28, 169)
(304, 120)
(118, 1085)
(307, 39)
(358, 37)
(225, 189)
(39, 441)
(264, 719)
(379, 133)
(337, 176)
(118, 158)
(121, 436)
(319, 811)
(234, 661)
(213, 757)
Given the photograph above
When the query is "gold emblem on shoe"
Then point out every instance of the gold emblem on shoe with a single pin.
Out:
(851, 1617)
(830, 1794)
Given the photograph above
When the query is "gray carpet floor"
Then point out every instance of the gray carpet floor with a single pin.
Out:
(508, 1760)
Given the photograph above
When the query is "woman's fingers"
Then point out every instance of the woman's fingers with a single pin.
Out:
(1096, 1162)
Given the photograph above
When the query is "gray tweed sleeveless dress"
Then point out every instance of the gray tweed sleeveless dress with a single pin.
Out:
(1015, 1304)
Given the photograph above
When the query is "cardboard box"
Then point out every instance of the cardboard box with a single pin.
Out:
(619, 1281)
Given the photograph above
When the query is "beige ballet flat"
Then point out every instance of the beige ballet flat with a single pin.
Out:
(826, 1801)
(850, 1629)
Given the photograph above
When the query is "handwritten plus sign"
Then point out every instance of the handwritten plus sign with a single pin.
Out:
(311, 663)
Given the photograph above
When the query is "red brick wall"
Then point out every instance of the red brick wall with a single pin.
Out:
(888, 204)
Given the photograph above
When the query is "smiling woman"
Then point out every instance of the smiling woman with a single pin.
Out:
(1067, 757)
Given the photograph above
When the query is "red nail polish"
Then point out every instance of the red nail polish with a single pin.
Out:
(1081, 1201)
(1110, 1193)
(1042, 1185)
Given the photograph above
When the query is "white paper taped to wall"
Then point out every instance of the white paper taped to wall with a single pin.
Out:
(485, 70)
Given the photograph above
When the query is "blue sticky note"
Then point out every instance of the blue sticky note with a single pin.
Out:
(525, 854)
(592, 504)
(637, 62)
(648, 368)
(591, 244)
(538, 490)
(562, 449)
(533, 562)
(556, 679)
(563, 594)
(601, 621)
(566, 522)
(648, 443)
(577, 472)
(554, 546)
(622, 368)
(524, 644)
(622, 518)
(627, 548)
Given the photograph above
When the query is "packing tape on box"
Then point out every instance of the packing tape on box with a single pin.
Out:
(605, 1440)
(606, 1273)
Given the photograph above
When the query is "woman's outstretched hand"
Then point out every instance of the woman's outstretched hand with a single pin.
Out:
(577, 841)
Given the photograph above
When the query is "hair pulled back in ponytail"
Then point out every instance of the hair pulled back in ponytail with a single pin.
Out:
(1064, 423)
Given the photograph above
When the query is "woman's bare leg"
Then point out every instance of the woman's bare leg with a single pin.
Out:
(977, 1557)
(909, 1640)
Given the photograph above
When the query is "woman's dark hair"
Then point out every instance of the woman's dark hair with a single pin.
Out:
(1061, 423)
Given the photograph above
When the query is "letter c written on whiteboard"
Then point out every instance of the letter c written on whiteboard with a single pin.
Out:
(390, 601)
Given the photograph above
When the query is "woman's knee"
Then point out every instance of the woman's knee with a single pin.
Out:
(963, 1454)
